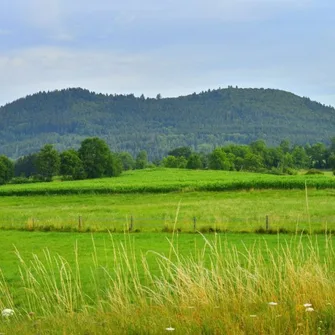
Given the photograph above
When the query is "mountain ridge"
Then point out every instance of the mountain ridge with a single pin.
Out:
(128, 123)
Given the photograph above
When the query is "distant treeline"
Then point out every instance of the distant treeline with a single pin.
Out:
(94, 159)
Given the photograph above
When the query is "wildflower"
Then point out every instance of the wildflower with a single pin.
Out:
(169, 329)
(7, 312)
(273, 303)
(307, 305)
(309, 309)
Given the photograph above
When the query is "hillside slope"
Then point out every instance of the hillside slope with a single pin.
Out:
(127, 123)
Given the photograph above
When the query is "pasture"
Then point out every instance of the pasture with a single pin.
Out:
(239, 211)
(86, 273)
(157, 283)
(148, 201)
(163, 180)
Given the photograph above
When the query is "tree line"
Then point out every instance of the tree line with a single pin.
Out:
(94, 159)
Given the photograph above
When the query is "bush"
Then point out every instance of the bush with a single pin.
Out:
(22, 180)
(314, 171)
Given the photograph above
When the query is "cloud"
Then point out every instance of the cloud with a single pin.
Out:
(173, 47)
(169, 70)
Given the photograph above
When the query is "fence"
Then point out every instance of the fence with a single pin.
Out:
(80, 223)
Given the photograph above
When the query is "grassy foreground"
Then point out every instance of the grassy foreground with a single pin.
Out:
(215, 284)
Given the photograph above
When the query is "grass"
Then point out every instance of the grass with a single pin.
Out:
(232, 211)
(139, 284)
(145, 283)
(162, 180)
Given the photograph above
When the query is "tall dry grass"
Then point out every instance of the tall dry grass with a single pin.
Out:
(217, 289)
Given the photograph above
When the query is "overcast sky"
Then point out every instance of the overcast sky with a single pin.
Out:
(172, 47)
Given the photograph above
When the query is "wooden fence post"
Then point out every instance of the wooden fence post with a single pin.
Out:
(80, 223)
(267, 222)
(194, 224)
(131, 226)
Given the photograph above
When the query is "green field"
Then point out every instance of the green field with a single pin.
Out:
(161, 180)
(145, 283)
(100, 247)
(163, 277)
(233, 211)
(90, 205)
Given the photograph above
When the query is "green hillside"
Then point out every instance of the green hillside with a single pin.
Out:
(201, 121)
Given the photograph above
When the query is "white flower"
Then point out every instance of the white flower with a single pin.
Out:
(169, 329)
(273, 303)
(7, 312)
(309, 309)
(307, 305)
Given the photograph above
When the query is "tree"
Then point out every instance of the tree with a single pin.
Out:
(318, 155)
(127, 160)
(331, 161)
(181, 152)
(285, 146)
(169, 161)
(253, 162)
(71, 166)
(300, 158)
(6, 170)
(26, 166)
(194, 162)
(113, 165)
(48, 162)
(218, 160)
(258, 147)
(141, 160)
(274, 157)
(96, 157)
(332, 145)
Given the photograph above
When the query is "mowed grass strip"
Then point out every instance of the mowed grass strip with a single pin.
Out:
(226, 211)
(162, 180)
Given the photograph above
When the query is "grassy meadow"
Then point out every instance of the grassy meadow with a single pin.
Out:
(227, 211)
(163, 180)
(162, 279)
(147, 201)
(158, 283)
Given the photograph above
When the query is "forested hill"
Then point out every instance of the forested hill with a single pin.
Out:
(201, 121)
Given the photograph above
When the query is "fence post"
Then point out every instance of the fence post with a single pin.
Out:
(80, 223)
(267, 222)
(131, 226)
(194, 224)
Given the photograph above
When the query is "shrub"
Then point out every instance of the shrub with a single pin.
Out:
(314, 171)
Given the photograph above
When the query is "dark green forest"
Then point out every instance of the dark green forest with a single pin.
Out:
(201, 121)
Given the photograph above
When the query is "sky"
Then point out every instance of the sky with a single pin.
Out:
(171, 47)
